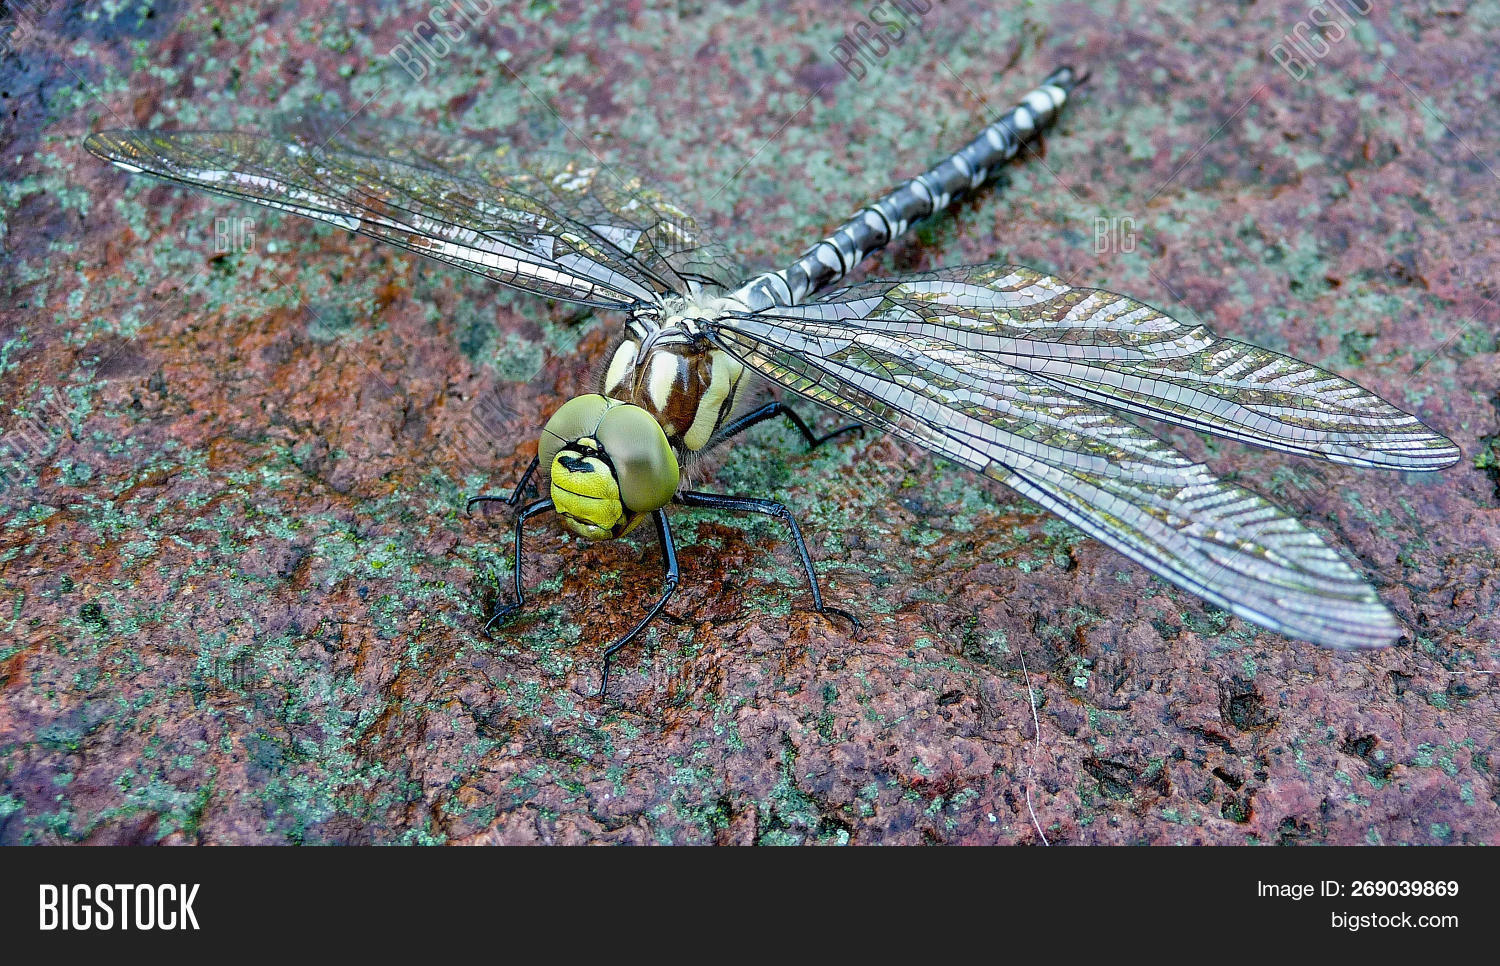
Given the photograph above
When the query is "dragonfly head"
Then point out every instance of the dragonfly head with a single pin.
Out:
(611, 465)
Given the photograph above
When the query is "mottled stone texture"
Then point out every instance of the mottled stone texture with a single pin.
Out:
(240, 602)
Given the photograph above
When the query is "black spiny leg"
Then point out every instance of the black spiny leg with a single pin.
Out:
(531, 510)
(515, 497)
(771, 411)
(669, 560)
(770, 509)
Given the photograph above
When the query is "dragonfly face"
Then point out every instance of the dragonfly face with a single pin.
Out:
(611, 465)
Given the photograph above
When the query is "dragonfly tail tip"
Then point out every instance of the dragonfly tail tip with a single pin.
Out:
(1067, 77)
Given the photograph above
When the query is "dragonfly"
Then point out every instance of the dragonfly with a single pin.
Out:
(1006, 370)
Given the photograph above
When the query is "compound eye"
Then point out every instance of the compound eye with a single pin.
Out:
(643, 459)
(574, 419)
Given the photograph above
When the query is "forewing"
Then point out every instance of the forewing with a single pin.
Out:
(1125, 355)
(508, 229)
(1109, 478)
(639, 217)
(651, 227)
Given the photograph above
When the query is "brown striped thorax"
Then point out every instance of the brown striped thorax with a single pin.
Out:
(613, 455)
(665, 364)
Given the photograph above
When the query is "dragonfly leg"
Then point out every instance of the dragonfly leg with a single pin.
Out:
(669, 561)
(530, 510)
(771, 411)
(515, 496)
(771, 509)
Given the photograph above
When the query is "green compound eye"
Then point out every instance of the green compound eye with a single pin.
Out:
(644, 462)
(574, 419)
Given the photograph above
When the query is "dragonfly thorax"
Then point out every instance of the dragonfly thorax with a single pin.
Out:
(667, 366)
(610, 464)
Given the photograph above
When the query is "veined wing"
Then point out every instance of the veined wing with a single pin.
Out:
(502, 228)
(1125, 355)
(639, 218)
(611, 199)
(1104, 475)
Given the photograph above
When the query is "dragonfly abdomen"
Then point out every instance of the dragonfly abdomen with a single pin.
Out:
(883, 221)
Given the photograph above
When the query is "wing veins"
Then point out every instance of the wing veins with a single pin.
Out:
(1116, 483)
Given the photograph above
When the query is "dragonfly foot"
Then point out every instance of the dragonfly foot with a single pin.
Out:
(499, 616)
(488, 498)
(830, 612)
(669, 560)
(842, 430)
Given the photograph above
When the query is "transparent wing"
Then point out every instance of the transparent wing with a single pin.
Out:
(528, 230)
(638, 217)
(954, 390)
(647, 224)
(1127, 356)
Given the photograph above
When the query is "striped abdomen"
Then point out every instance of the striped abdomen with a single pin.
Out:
(888, 218)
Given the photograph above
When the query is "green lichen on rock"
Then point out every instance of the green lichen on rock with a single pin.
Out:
(240, 602)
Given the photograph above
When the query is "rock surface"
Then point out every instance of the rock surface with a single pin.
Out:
(240, 601)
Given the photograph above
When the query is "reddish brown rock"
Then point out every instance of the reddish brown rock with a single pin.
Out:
(241, 603)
